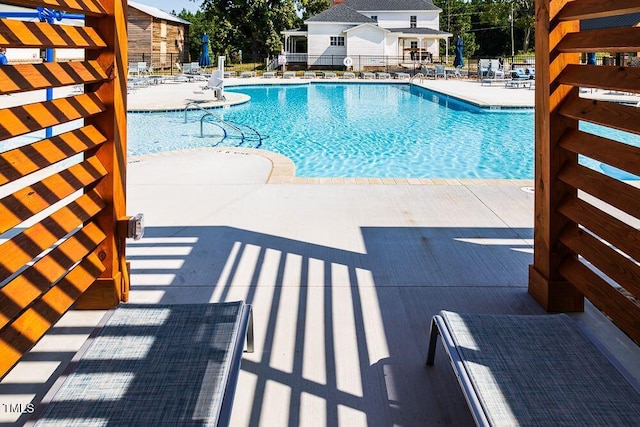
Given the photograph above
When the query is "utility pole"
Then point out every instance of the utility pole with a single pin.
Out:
(511, 19)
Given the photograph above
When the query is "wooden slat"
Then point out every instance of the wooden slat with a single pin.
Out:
(608, 299)
(619, 268)
(42, 35)
(84, 7)
(18, 337)
(625, 39)
(605, 226)
(22, 291)
(26, 202)
(22, 161)
(603, 113)
(588, 9)
(610, 190)
(26, 246)
(623, 79)
(23, 119)
(19, 78)
(617, 154)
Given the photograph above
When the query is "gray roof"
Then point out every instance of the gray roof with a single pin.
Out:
(363, 5)
(157, 13)
(628, 20)
(341, 13)
(428, 31)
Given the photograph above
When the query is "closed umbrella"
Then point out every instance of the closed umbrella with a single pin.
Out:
(458, 60)
(205, 61)
(591, 58)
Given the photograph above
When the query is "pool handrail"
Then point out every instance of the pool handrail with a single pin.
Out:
(220, 120)
(415, 76)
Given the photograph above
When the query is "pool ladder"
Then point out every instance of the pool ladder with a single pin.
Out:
(221, 123)
(415, 76)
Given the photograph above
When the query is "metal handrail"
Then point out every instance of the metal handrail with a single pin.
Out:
(220, 121)
(414, 76)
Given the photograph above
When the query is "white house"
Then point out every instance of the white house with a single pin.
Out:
(371, 33)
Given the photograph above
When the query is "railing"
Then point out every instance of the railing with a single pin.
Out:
(587, 241)
(62, 197)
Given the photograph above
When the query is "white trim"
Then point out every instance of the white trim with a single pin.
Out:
(366, 25)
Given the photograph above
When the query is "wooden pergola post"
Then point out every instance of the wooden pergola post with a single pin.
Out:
(546, 284)
(113, 285)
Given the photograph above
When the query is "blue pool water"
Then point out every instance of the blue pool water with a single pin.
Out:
(358, 130)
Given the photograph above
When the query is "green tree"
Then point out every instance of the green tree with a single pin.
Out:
(200, 26)
(456, 18)
(499, 13)
(311, 8)
(252, 25)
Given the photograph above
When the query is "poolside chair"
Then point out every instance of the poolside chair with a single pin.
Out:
(329, 75)
(367, 75)
(518, 74)
(269, 74)
(289, 75)
(247, 74)
(383, 75)
(531, 72)
(534, 370)
(309, 75)
(402, 75)
(142, 68)
(495, 70)
(348, 75)
(483, 68)
(440, 72)
(216, 83)
(133, 69)
(228, 74)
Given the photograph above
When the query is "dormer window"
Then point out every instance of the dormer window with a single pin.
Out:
(375, 18)
(413, 21)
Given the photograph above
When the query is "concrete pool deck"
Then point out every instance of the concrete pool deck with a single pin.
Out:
(343, 280)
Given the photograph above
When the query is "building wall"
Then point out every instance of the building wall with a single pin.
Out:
(319, 39)
(156, 41)
(139, 27)
(402, 19)
(366, 41)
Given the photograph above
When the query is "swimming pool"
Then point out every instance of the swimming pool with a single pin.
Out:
(358, 130)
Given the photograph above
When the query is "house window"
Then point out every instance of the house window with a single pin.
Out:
(413, 21)
(375, 18)
(414, 45)
(337, 41)
(163, 29)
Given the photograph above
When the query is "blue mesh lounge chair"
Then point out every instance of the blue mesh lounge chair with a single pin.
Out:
(533, 370)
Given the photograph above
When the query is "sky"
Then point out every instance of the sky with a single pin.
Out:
(169, 5)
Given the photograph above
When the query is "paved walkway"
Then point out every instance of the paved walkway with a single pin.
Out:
(343, 280)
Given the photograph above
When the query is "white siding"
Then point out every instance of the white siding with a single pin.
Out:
(319, 39)
(401, 19)
(366, 41)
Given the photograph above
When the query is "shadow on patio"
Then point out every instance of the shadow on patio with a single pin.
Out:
(341, 335)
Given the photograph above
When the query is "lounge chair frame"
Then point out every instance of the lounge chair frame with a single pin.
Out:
(535, 370)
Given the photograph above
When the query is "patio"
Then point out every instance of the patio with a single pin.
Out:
(343, 280)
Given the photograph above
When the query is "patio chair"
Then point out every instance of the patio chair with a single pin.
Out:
(533, 370)
(133, 69)
(440, 71)
(402, 75)
(309, 75)
(142, 68)
(269, 74)
(383, 75)
(367, 75)
(247, 74)
(495, 70)
(348, 75)
(483, 68)
(288, 75)
(518, 74)
(329, 75)
(154, 364)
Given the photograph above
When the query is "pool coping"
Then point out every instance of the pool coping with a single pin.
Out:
(283, 171)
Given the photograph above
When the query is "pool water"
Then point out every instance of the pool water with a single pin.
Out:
(357, 130)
